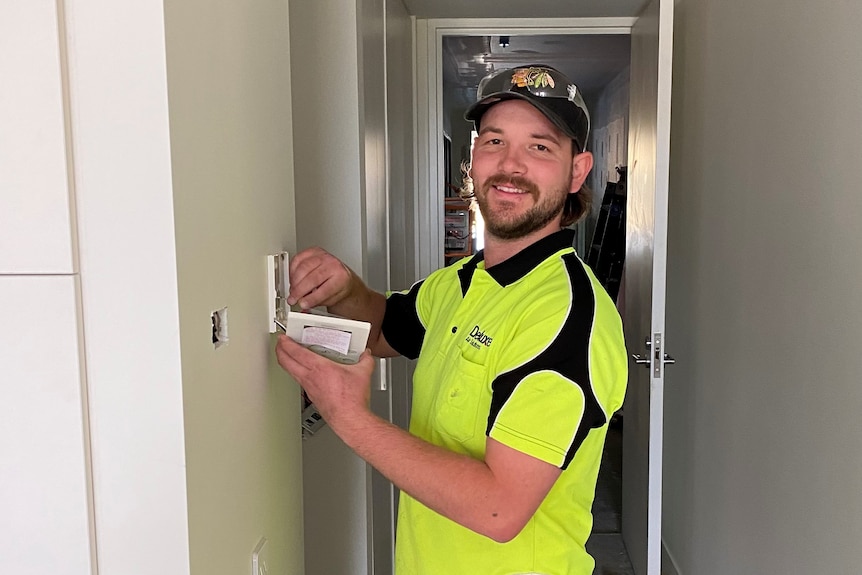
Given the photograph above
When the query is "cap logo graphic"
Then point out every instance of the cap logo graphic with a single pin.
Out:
(536, 77)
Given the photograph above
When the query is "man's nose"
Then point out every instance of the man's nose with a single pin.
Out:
(512, 161)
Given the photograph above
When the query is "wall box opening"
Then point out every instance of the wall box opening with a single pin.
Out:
(219, 327)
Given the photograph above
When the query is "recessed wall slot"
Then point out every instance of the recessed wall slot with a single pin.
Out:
(278, 285)
(220, 335)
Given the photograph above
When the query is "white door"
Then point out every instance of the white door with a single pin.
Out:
(644, 304)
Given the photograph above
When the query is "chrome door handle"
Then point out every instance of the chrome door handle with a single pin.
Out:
(654, 357)
(645, 359)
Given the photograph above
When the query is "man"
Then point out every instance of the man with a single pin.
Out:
(521, 361)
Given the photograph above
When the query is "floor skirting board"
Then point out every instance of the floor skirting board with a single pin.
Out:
(668, 565)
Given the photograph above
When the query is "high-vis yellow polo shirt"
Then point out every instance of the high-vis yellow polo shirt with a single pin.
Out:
(530, 353)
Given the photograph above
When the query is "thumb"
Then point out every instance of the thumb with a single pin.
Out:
(366, 360)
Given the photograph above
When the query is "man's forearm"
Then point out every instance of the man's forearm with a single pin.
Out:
(365, 304)
(457, 486)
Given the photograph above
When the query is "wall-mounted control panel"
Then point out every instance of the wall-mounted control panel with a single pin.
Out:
(278, 286)
(337, 338)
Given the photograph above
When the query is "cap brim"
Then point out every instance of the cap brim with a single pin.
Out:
(475, 112)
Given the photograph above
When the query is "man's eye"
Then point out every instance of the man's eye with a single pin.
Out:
(541, 147)
(495, 141)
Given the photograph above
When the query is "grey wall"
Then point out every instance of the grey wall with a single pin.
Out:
(762, 436)
(354, 179)
(324, 48)
(401, 143)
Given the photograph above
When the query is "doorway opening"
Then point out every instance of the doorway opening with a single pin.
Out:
(599, 65)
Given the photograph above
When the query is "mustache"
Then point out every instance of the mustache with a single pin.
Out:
(512, 181)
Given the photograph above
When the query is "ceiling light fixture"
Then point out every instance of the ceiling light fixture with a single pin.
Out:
(504, 41)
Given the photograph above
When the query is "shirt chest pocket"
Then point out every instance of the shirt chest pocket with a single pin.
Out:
(462, 393)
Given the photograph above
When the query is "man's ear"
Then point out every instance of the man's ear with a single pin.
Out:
(581, 165)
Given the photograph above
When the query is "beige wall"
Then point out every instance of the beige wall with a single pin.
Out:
(229, 93)
(762, 466)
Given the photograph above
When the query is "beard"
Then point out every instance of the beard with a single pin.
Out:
(505, 222)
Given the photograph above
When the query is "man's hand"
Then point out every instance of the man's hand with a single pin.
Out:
(318, 278)
(338, 391)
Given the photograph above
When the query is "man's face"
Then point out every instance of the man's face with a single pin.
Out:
(522, 170)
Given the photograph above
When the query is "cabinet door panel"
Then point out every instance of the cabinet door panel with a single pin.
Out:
(35, 215)
(44, 522)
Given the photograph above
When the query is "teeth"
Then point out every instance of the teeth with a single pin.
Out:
(509, 190)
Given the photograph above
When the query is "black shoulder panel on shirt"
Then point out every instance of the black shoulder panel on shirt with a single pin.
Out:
(401, 326)
(568, 354)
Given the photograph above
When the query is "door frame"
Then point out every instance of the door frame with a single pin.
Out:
(645, 297)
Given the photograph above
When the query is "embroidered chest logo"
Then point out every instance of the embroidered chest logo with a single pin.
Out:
(479, 338)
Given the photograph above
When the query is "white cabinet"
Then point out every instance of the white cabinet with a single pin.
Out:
(44, 525)
(35, 223)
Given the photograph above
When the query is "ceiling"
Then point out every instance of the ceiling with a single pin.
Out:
(524, 8)
(590, 61)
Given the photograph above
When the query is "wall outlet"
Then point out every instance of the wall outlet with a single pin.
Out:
(311, 421)
(260, 558)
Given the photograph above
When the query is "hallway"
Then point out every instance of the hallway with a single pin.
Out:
(606, 542)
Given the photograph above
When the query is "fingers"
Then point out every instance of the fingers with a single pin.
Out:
(294, 358)
(301, 362)
(339, 391)
(317, 278)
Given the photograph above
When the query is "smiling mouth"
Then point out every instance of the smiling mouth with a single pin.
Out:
(510, 189)
(510, 186)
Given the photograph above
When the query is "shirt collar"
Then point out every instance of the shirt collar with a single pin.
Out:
(511, 270)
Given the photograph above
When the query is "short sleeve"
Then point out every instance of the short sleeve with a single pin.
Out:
(541, 417)
(401, 326)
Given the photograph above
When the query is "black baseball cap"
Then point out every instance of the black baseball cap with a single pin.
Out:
(545, 88)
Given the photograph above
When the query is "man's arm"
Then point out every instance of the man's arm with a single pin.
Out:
(319, 278)
(495, 497)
